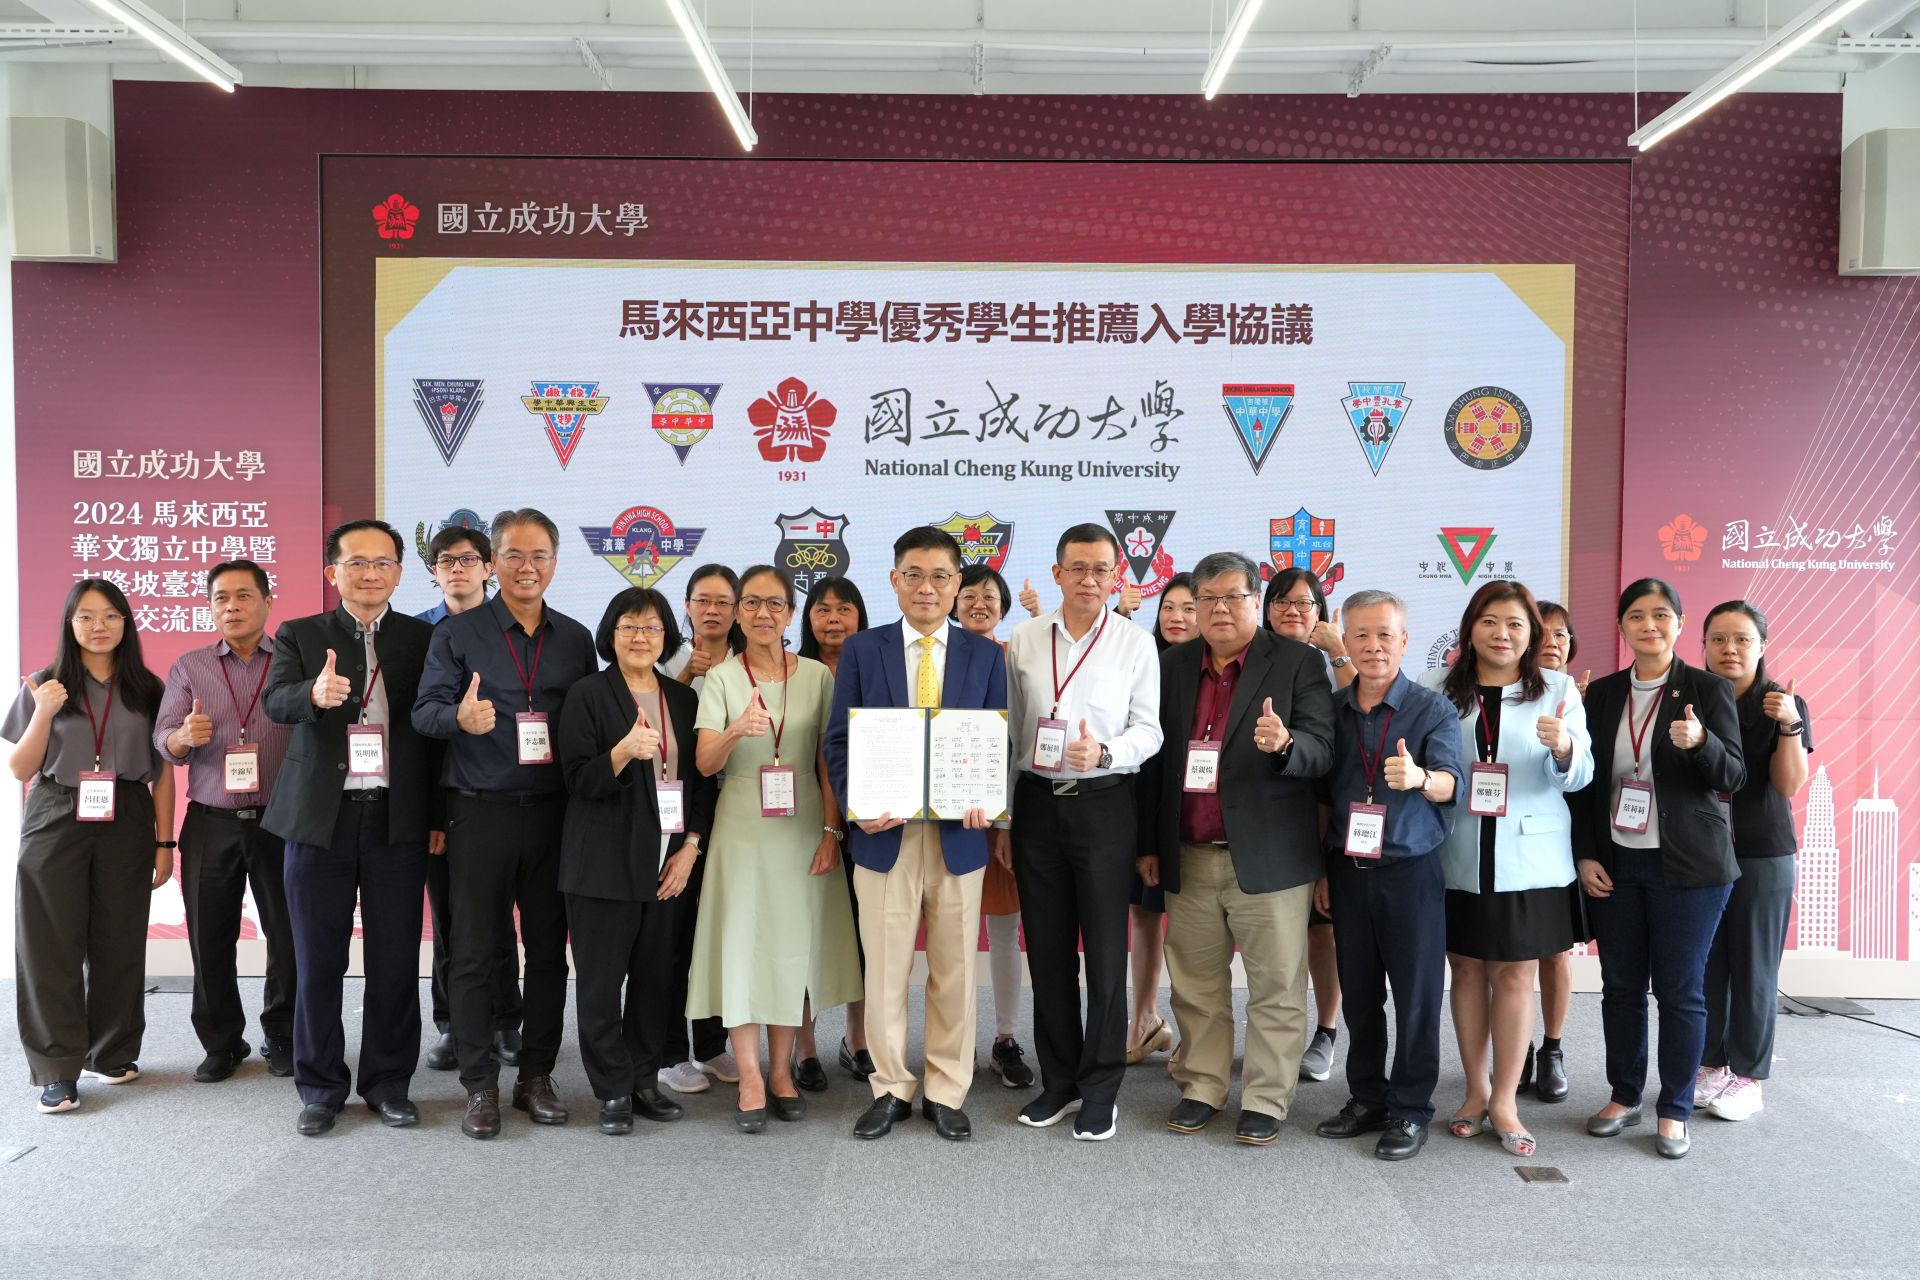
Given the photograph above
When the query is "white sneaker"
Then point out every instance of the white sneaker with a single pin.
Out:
(120, 1075)
(1738, 1101)
(1709, 1083)
(685, 1077)
(722, 1068)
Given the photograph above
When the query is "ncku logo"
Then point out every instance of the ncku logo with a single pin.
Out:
(395, 218)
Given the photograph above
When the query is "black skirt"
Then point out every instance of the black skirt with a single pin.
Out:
(1519, 924)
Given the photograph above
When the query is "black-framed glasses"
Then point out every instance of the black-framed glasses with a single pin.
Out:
(470, 560)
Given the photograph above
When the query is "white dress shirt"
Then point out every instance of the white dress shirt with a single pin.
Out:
(378, 712)
(912, 640)
(1116, 691)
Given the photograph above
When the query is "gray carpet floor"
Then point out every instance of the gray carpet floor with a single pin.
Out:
(165, 1177)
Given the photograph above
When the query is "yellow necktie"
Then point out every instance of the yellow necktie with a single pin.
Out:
(926, 685)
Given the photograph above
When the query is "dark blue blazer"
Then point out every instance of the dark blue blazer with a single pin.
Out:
(873, 673)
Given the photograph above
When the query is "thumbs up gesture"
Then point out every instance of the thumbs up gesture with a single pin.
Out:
(1129, 599)
(1270, 733)
(475, 713)
(197, 729)
(754, 722)
(643, 740)
(1029, 598)
(1083, 753)
(1586, 678)
(330, 688)
(1687, 732)
(1553, 732)
(1781, 706)
(48, 698)
(1401, 772)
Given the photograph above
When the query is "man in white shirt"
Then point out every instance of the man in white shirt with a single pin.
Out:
(1084, 698)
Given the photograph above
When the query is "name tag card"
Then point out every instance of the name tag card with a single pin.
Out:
(366, 751)
(670, 798)
(1487, 797)
(776, 791)
(243, 769)
(1203, 766)
(1366, 830)
(1633, 809)
(94, 803)
(536, 744)
(1049, 745)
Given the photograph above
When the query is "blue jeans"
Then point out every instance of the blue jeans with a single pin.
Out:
(1651, 933)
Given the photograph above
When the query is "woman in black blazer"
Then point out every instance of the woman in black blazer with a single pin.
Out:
(1655, 855)
(637, 814)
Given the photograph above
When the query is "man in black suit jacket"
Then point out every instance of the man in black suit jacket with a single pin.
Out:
(352, 804)
(1230, 826)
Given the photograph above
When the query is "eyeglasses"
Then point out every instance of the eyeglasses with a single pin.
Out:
(633, 630)
(768, 604)
(1562, 635)
(709, 602)
(467, 561)
(357, 565)
(1233, 600)
(1098, 572)
(515, 559)
(1738, 642)
(940, 578)
(109, 617)
(1286, 605)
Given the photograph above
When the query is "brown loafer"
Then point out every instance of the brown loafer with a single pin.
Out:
(483, 1114)
(537, 1098)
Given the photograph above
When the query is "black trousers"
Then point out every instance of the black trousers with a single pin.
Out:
(709, 1035)
(502, 855)
(507, 1009)
(220, 856)
(1073, 863)
(1390, 925)
(1743, 968)
(83, 891)
(616, 946)
(322, 885)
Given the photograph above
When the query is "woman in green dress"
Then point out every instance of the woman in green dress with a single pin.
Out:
(775, 925)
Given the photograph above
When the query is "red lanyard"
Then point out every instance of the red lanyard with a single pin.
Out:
(526, 680)
(1053, 651)
(1486, 729)
(778, 728)
(1638, 737)
(1370, 769)
(99, 726)
(660, 693)
(234, 698)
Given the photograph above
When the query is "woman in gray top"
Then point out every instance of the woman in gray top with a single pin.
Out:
(96, 838)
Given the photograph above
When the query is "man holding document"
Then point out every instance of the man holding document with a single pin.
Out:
(916, 748)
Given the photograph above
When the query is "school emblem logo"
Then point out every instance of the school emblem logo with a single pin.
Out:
(1467, 548)
(462, 518)
(395, 218)
(984, 539)
(792, 423)
(1142, 535)
(565, 407)
(682, 413)
(812, 546)
(1375, 410)
(641, 544)
(1304, 541)
(1682, 539)
(1444, 649)
(1488, 428)
(1257, 411)
(448, 406)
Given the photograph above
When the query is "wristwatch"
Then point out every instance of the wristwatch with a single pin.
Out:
(1106, 757)
(835, 832)
(1789, 730)
(166, 844)
(1340, 662)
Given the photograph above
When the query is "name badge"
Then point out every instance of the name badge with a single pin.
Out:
(1366, 830)
(1487, 794)
(1203, 766)
(366, 751)
(670, 798)
(95, 801)
(1049, 745)
(776, 791)
(243, 769)
(536, 744)
(1634, 807)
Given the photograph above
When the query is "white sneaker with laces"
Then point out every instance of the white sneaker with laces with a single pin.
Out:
(119, 1075)
(1738, 1101)
(1709, 1083)
(685, 1077)
(722, 1068)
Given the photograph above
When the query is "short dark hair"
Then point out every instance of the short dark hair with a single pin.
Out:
(637, 600)
(1648, 587)
(1282, 582)
(526, 515)
(786, 581)
(926, 538)
(975, 574)
(846, 591)
(455, 534)
(1086, 533)
(240, 566)
(340, 532)
(1549, 609)
(1219, 564)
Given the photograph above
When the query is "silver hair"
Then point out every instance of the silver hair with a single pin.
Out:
(526, 515)
(1221, 563)
(1368, 599)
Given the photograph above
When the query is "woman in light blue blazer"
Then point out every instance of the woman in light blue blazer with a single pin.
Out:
(1512, 894)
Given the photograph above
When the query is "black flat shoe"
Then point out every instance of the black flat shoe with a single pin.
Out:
(221, 1064)
(279, 1056)
(651, 1104)
(1354, 1119)
(754, 1121)
(616, 1115)
(1256, 1128)
(315, 1119)
(950, 1123)
(1190, 1115)
(396, 1113)
(856, 1063)
(1550, 1076)
(810, 1075)
(1401, 1140)
(789, 1109)
(877, 1121)
(442, 1056)
(506, 1047)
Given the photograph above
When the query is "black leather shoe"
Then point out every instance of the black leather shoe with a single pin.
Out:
(654, 1105)
(877, 1121)
(754, 1121)
(506, 1047)
(442, 1056)
(1550, 1076)
(858, 1064)
(483, 1114)
(810, 1075)
(221, 1063)
(616, 1115)
(396, 1113)
(1190, 1115)
(1402, 1140)
(279, 1056)
(1526, 1071)
(537, 1098)
(1354, 1119)
(315, 1119)
(789, 1109)
(950, 1123)
(1256, 1128)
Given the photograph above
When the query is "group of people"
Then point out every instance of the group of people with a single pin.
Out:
(1255, 775)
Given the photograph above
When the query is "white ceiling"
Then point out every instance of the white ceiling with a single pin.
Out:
(973, 46)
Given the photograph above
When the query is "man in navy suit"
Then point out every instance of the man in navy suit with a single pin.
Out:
(907, 872)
